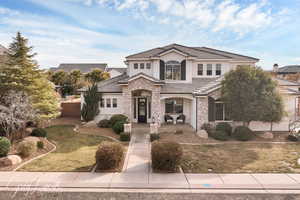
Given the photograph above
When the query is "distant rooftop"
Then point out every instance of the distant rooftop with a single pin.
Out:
(83, 67)
(289, 69)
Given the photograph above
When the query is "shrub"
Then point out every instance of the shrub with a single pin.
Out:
(40, 144)
(109, 155)
(104, 123)
(225, 127)
(166, 156)
(220, 135)
(292, 138)
(39, 132)
(178, 132)
(27, 148)
(118, 127)
(125, 137)
(154, 136)
(242, 133)
(4, 146)
(209, 129)
(117, 118)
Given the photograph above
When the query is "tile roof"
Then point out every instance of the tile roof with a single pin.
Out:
(197, 52)
(83, 67)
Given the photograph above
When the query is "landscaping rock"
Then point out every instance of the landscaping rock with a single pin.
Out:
(10, 160)
(202, 134)
(298, 161)
(28, 131)
(90, 124)
(267, 135)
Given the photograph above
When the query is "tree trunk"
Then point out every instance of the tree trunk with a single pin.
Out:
(271, 126)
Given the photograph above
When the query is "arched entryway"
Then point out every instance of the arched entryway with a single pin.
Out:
(142, 106)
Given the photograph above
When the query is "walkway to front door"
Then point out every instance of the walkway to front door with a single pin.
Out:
(138, 154)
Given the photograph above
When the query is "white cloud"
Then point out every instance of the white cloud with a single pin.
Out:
(7, 11)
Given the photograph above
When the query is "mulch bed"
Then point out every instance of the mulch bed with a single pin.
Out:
(13, 151)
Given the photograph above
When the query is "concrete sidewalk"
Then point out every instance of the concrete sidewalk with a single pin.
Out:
(154, 181)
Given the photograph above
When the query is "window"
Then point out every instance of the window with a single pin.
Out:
(142, 65)
(173, 70)
(218, 69)
(209, 69)
(135, 66)
(174, 106)
(102, 103)
(222, 113)
(114, 102)
(148, 65)
(108, 103)
(200, 69)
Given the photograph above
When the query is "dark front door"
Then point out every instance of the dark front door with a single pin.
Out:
(142, 110)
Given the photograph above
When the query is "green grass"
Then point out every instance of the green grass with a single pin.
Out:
(241, 158)
(75, 152)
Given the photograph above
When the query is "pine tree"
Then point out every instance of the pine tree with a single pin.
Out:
(21, 73)
(90, 108)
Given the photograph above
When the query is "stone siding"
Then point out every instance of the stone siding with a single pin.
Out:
(142, 84)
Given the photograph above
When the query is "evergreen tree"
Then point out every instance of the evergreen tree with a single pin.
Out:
(96, 76)
(90, 108)
(250, 95)
(21, 73)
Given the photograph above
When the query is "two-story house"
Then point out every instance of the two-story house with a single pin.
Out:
(171, 81)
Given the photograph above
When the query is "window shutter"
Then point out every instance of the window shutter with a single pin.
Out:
(183, 70)
(162, 70)
(211, 109)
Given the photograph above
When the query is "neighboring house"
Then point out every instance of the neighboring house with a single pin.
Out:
(282, 72)
(83, 67)
(116, 71)
(176, 80)
(3, 51)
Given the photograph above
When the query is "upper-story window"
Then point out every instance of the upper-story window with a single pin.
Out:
(142, 65)
(200, 69)
(148, 65)
(173, 70)
(102, 103)
(114, 102)
(209, 70)
(108, 103)
(135, 66)
(218, 69)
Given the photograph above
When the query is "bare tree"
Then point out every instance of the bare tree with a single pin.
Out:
(15, 111)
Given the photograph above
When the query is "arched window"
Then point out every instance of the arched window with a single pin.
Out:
(173, 70)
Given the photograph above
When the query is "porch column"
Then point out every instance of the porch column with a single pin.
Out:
(202, 111)
(155, 106)
(127, 103)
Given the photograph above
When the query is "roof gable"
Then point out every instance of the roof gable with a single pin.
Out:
(141, 75)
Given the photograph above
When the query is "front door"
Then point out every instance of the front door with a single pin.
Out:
(142, 110)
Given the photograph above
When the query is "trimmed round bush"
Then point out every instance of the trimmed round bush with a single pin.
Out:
(220, 135)
(40, 144)
(104, 123)
(292, 138)
(4, 146)
(225, 127)
(109, 155)
(118, 127)
(154, 136)
(125, 137)
(27, 148)
(116, 118)
(166, 156)
(243, 133)
(39, 132)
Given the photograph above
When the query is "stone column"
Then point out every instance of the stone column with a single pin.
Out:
(127, 102)
(155, 106)
(202, 111)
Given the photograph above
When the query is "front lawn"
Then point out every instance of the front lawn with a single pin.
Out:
(241, 158)
(75, 152)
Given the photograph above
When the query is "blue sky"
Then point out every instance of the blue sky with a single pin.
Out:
(109, 30)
